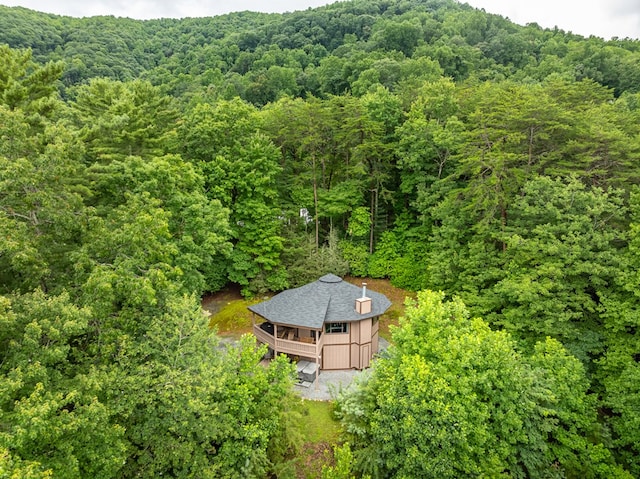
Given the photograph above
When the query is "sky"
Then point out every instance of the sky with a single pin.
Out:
(602, 18)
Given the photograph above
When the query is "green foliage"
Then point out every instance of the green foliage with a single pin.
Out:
(52, 407)
(213, 411)
(41, 202)
(198, 226)
(241, 169)
(308, 264)
(11, 467)
(123, 119)
(329, 50)
(430, 136)
(409, 271)
(26, 85)
(555, 273)
(344, 464)
(455, 399)
(618, 369)
(430, 143)
(356, 255)
(359, 222)
(387, 252)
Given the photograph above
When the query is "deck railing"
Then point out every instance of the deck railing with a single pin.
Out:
(309, 350)
(263, 336)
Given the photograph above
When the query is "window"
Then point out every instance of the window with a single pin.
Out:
(336, 328)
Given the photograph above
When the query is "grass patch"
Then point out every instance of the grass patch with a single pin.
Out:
(321, 431)
(232, 317)
(320, 425)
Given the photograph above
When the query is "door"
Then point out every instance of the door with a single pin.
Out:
(365, 355)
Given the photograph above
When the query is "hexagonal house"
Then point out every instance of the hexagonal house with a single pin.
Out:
(329, 321)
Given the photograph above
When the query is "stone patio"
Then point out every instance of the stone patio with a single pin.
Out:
(328, 382)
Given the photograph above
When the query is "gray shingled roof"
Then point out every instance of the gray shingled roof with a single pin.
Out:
(327, 300)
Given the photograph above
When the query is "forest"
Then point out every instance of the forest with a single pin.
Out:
(491, 168)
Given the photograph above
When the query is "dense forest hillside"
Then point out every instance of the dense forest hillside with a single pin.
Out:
(144, 163)
(340, 48)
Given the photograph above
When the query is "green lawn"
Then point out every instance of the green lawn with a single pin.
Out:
(230, 317)
(321, 431)
(320, 424)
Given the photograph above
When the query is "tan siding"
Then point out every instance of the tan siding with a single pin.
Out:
(304, 333)
(339, 338)
(375, 344)
(365, 356)
(335, 357)
(355, 356)
(355, 332)
(353, 349)
(365, 331)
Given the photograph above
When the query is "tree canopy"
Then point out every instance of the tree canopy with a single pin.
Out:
(455, 399)
(146, 163)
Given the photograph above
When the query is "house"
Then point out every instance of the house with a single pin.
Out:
(330, 322)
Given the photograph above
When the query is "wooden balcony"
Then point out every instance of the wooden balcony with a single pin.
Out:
(289, 342)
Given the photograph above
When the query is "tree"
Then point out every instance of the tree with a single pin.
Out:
(560, 260)
(513, 132)
(27, 86)
(303, 131)
(393, 35)
(188, 406)
(455, 399)
(429, 139)
(42, 192)
(192, 407)
(241, 172)
(618, 370)
(53, 411)
(120, 119)
(198, 225)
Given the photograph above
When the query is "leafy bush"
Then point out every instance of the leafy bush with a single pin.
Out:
(356, 255)
(387, 252)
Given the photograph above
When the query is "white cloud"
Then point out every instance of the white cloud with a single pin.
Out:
(145, 9)
(604, 18)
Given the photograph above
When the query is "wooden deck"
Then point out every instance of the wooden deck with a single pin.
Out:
(298, 347)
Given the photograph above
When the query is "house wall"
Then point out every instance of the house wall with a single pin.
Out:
(353, 349)
(354, 356)
(375, 327)
(336, 338)
(364, 344)
(365, 331)
(365, 355)
(335, 356)
(355, 332)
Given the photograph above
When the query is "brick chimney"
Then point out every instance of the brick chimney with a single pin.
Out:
(363, 305)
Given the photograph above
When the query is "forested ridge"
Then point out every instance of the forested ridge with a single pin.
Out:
(145, 163)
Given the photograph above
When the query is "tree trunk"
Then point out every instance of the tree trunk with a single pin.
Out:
(315, 201)
(374, 207)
